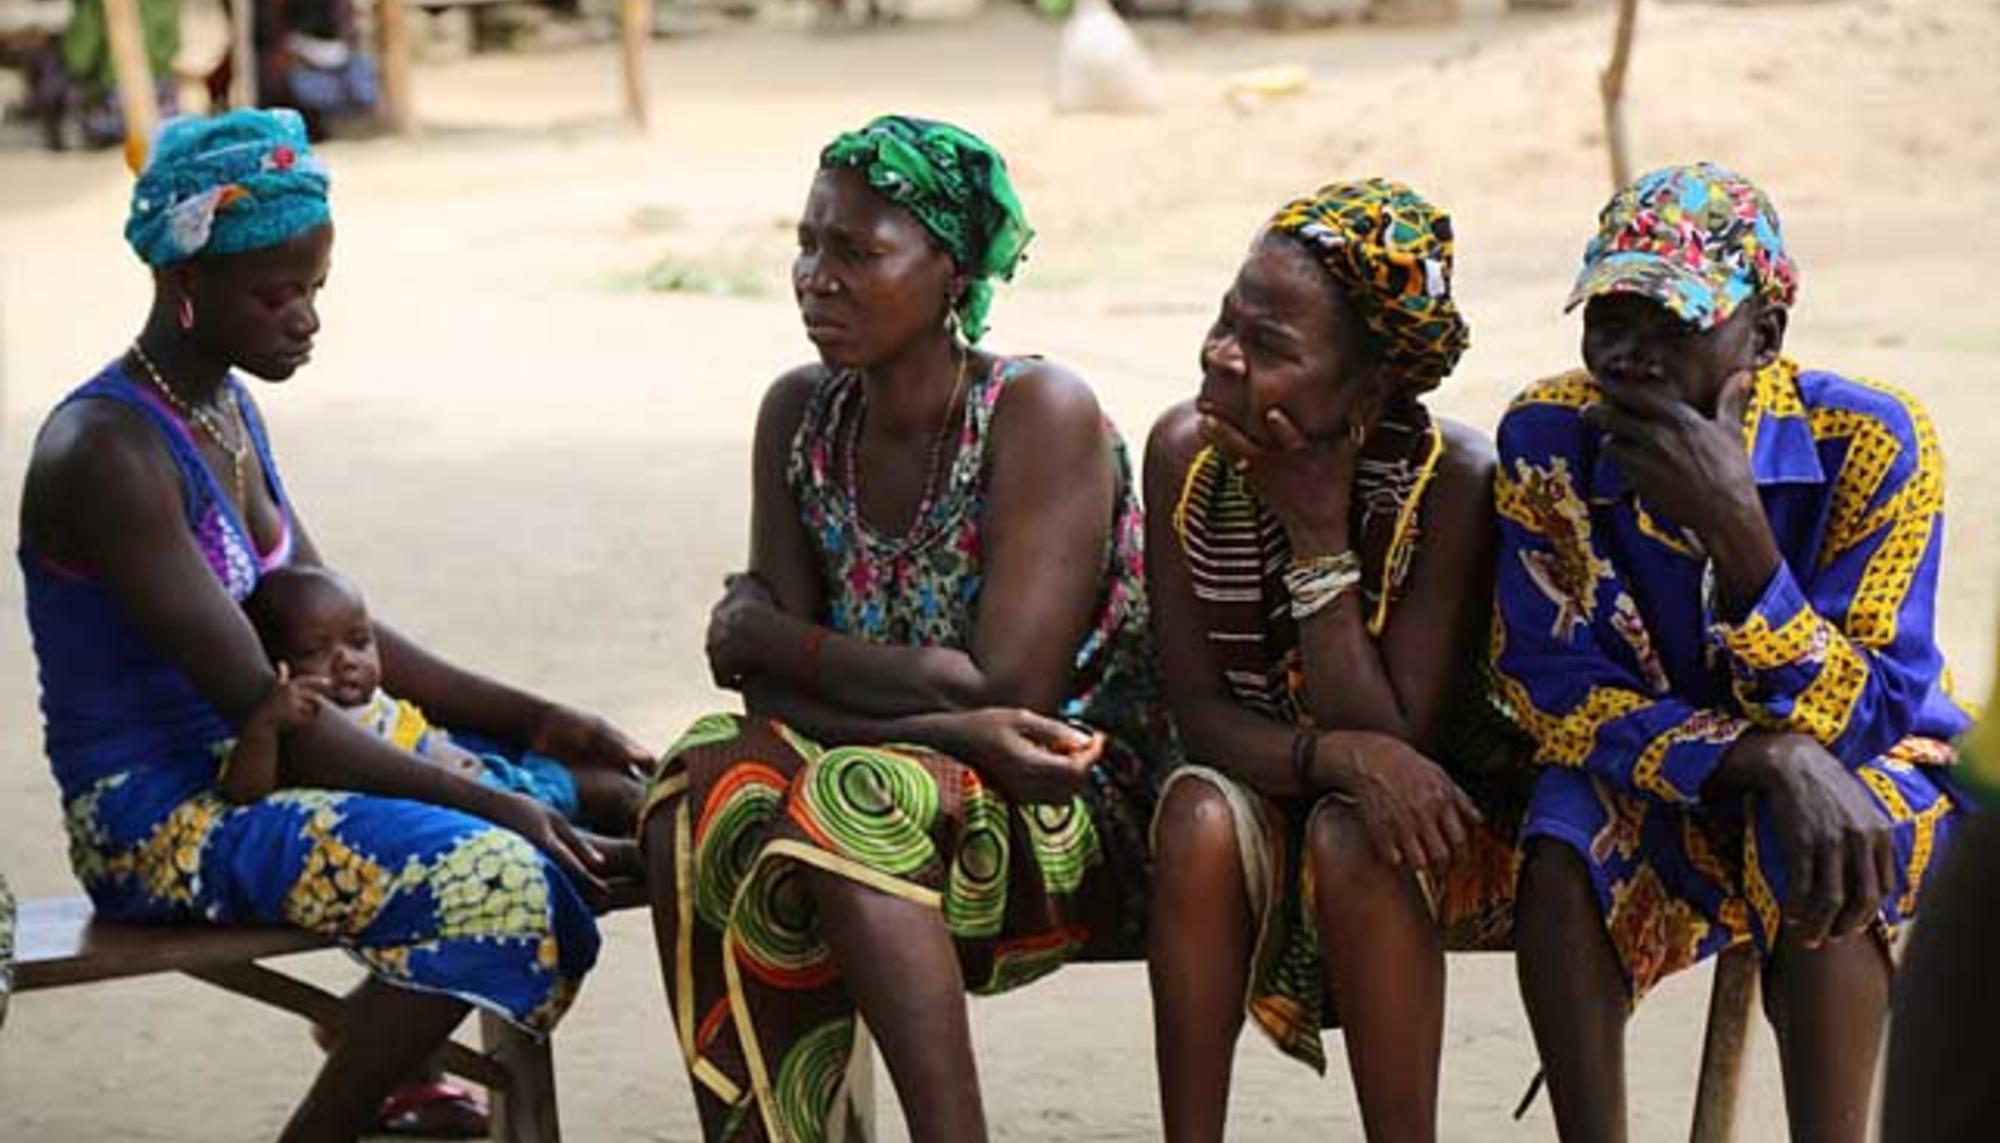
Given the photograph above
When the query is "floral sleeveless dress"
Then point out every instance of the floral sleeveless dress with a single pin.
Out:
(765, 1026)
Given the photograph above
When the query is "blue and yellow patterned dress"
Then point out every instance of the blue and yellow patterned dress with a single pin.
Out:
(426, 897)
(1612, 653)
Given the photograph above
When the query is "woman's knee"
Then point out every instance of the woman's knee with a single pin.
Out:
(1195, 834)
(1338, 844)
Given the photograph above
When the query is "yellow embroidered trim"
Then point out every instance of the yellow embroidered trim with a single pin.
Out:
(1762, 900)
(1762, 647)
(1196, 480)
(725, 1089)
(746, 1031)
(684, 935)
(1657, 532)
(833, 863)
(1403, 540)
(668, 789)
(1571, 390)
(1827, 704)
(1774, 393)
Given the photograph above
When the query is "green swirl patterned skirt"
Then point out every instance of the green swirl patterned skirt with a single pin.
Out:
(764, 1025)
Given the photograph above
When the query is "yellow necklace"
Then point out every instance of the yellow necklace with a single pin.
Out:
(210, 423)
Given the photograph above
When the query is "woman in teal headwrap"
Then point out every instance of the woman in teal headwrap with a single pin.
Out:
(151, 509)
(943, 781)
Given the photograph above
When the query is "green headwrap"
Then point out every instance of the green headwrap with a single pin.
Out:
(957, 186)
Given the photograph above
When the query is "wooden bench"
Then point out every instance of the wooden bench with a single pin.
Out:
(59, 944)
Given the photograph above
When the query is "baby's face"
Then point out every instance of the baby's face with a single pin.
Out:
(328, 633)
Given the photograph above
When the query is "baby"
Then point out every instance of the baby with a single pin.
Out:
(315, 627)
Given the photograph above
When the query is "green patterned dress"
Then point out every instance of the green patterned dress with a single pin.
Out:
(764, 1024)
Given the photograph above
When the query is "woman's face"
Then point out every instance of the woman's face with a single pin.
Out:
(1288, 340)
(868, 277)
(258, 310)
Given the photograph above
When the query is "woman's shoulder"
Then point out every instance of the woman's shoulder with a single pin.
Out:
(1462, 493)
(787, 398)
(1176, 436)
(98, 443)
(1469, 454)
(1039, 395)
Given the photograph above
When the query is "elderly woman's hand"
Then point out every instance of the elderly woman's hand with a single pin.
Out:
(585, 741)
(1307, 483)
(1415, 815)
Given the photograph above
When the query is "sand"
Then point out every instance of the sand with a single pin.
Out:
(539, 465)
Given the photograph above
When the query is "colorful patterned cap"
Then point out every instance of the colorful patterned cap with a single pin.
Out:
(223, 185)
(1698, 239)
(1391, 250)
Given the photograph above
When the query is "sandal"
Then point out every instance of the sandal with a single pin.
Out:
(433, 1111)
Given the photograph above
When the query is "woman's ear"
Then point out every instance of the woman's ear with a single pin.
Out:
(1768, 334)
(1371, 396)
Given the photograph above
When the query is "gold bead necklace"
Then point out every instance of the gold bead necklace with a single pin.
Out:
(210, 422)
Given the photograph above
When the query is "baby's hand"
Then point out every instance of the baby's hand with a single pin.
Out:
(292, 703)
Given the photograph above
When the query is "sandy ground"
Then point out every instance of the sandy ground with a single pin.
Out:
(539, 465)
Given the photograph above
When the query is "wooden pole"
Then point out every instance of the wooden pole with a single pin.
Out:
(134, 76)
(242, 53)
(1611, 85)
(635, 29)
(392, 28)
(1729, 1003)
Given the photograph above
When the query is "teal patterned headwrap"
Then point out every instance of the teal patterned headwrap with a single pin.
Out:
(957, 186)
(223, 185)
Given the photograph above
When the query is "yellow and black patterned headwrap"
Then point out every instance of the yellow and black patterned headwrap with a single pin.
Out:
(1391, 251)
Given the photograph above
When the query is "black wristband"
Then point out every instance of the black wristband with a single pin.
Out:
(1305, 746)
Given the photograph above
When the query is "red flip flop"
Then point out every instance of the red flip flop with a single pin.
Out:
(433, 1111)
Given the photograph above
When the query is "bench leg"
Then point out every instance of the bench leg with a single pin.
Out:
(525, 1111)
(1729, 1004)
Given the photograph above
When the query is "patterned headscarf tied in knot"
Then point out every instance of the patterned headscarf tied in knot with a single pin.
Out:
(241, 181)
(1698, 239)
(1391, 251)
(957, 186)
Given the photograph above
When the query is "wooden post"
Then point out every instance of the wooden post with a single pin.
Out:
(242, 53)
(1729, 1004)
(134, 76)
(635, 30)
(1611, 85)
(525, 1111)
(392, 29)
